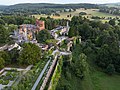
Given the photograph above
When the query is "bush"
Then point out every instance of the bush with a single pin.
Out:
(8, 73)
(6, 82)
(7, 88)
(110, 69)
(2, 62)
(82, 13)
(1, 81)
(95, 17)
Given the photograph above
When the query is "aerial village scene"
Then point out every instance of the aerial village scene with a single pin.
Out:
(59, 45)
(26, 33)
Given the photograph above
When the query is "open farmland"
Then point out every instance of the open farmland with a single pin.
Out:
(90, 13)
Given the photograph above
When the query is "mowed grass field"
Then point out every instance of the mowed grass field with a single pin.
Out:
(90, 13)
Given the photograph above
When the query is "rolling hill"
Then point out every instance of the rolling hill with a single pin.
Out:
(44, 8)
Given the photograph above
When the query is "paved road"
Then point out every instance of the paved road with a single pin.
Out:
(61, 52)
(60, 39)
(40, 76)
(65, 53)
(3, 47)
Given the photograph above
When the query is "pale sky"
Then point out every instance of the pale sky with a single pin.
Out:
(11, 2)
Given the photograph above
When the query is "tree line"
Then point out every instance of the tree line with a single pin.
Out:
(110, 10)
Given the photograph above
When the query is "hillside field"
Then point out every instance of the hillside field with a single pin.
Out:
(98, 80)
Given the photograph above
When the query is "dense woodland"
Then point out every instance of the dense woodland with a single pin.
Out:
(102, 39)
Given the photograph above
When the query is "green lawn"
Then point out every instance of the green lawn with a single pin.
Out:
(102, 81)
(96, 79)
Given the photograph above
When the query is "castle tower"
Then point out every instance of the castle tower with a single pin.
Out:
(40, 25)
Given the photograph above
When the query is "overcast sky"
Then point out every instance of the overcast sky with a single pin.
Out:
(11, 2)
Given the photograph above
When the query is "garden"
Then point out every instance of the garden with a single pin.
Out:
(7, 78)
(30, 77)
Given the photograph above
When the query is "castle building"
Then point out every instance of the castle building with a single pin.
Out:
(26, 32)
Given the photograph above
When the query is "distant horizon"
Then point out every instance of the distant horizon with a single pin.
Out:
(13, 2)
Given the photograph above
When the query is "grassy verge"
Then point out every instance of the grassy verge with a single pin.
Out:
(56, 75)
